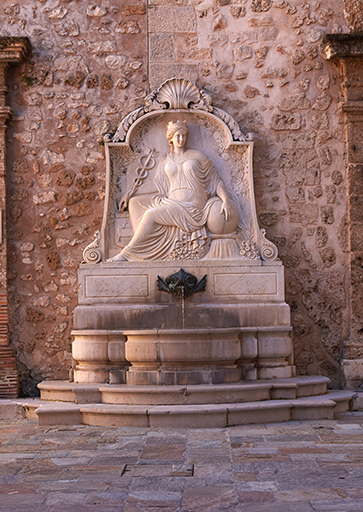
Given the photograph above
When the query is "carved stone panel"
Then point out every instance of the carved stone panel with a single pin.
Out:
(179, 184)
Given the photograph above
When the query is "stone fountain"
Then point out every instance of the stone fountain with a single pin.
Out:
(181, 296)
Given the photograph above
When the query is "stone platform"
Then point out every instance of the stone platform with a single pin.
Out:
(196, 406)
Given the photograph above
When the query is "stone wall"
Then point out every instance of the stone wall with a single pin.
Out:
(261, 61)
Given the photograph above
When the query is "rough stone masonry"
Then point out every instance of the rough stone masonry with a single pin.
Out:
(262, 61)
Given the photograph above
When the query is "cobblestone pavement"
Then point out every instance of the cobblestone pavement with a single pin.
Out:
(295, 466)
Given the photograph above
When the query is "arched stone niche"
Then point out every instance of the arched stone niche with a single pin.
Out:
(140, 142)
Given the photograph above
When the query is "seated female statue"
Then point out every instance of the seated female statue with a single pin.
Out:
(171, 210)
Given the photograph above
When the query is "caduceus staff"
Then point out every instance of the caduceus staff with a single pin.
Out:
(146, 163)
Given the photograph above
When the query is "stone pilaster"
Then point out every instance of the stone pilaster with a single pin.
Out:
(348, 50)
(13, 50)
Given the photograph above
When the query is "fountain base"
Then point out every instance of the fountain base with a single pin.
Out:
(129, 332)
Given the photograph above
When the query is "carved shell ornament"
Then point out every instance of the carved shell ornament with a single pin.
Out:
(180, 94)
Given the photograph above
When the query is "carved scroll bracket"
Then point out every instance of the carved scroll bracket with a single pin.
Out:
(92, 253)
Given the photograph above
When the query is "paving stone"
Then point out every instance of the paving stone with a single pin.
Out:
(82, 508)
(31, 508)
(19, 488)
(22, 500)
(256, 497)
(337, 506)
(106, 498)
(276, 507)
(65, 498)
(168, 452)
(209, 499)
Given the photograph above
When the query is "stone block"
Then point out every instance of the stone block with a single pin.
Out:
(355, 152)
(358, 402)
(355, 179)
(161, 47)
(290, 121)
(355, 131)
(344, 400)
(249, 349)
(356, 208)
(10, 410)
(233, 282)
(356, 239)
(90, 348)
(274, 345)
(161, 72)
(172, 19)
(58, 414)
(130, 286)
(353, 373)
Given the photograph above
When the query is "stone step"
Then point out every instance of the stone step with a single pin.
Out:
(19, 408)
(195, 416)
(122, 394)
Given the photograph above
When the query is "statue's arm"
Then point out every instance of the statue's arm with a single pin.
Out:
(226, 204)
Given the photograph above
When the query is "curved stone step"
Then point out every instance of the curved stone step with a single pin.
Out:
(195, 416)
(125, 394)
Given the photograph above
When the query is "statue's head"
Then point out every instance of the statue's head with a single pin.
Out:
(174, 127)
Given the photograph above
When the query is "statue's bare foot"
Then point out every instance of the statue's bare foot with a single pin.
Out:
(118, 257)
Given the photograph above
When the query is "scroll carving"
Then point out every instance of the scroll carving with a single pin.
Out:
(92, 253)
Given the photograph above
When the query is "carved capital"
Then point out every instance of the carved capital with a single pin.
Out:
(342, 46)
(348, 50)
(14, 49)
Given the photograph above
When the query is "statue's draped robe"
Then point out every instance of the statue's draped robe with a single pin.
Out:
(178, 213)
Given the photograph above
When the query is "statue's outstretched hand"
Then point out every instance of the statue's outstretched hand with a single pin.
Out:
(124, 202)
(226, 209)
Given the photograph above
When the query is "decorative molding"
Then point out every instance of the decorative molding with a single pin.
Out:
(177, 94)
